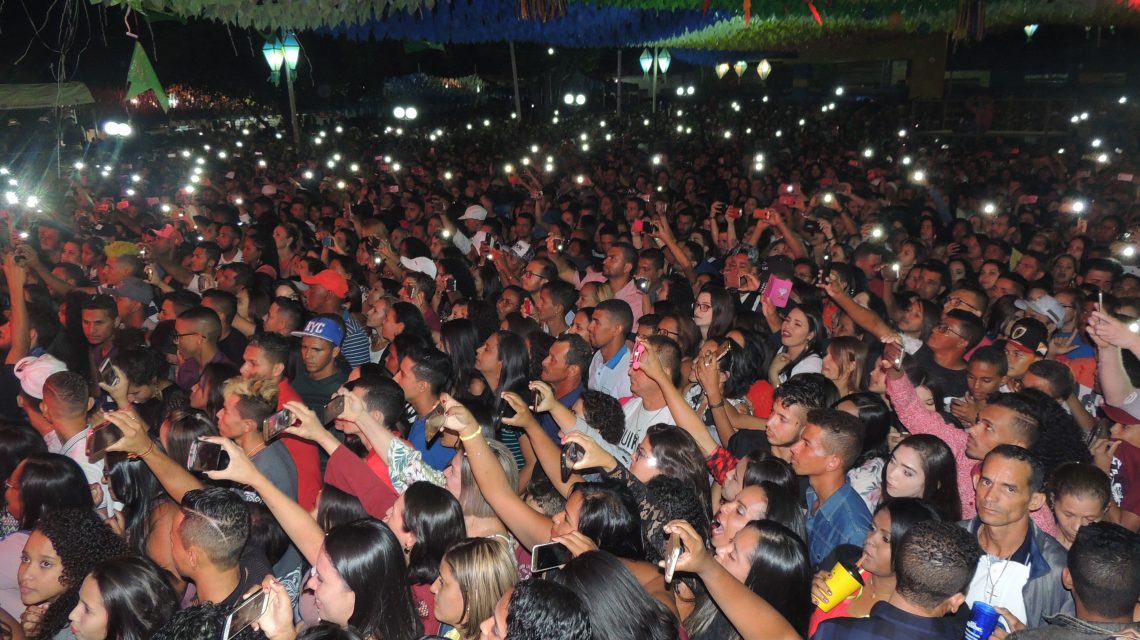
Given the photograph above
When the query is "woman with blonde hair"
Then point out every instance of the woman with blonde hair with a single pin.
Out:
(473, 576)
(845, 364)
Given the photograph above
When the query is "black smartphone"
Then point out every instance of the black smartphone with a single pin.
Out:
(811, 226)
(99, 438)
(333, 409)
(277, 423)
(571, 454)
(642, 284)
(551, 555)
(206, 456)
(245, 613)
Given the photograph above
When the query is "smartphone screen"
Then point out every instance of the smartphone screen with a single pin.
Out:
(277, 423)
(99, 438)
(245, 613)
(433, 424)
(672, 555)
(206, 456)
(333, 409)
(552, 555)
(107, 373)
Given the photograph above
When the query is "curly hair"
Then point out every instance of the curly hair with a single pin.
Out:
(604, 413)
(82, 541)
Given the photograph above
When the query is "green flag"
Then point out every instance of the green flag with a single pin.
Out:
(142, 78)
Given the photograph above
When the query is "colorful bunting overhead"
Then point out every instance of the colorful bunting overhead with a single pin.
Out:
(744, 25)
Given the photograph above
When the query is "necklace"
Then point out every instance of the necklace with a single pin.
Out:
(991, 584)
(257, 450)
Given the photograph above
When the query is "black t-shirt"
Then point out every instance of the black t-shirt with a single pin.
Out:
(953, 382)
(254, 567)
(9, 389)
(233, 346)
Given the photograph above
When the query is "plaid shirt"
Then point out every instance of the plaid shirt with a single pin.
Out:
(720, 463)
(888, 621)
(842, 519)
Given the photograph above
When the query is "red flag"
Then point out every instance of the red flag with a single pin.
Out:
(815, 12)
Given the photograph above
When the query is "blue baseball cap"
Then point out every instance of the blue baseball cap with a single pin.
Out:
(323, 328)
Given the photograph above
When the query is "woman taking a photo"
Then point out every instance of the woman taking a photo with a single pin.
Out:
(758, 585)
(359, 569)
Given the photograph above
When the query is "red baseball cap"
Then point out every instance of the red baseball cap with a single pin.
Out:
(331, 280)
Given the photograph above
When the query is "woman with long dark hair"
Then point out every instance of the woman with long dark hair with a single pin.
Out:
(178, 432)
(714, 312)
(923, 466)
(125, 598)
(866, 474)
(41, 484)
(619, 607)
(206, 394)
(801, 344)
(504, 363)
(762, 579)
(459, 339)
(65, 545)
(891, 521)
(17, 441)
(426, 520)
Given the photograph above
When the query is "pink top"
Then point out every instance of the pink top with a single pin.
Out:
(918, 419)
(838, 611)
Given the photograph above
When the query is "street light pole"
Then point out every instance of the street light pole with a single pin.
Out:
(293, 108)
(654, 90)
(292, 50)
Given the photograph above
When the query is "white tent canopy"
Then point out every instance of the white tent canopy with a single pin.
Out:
(44, 96)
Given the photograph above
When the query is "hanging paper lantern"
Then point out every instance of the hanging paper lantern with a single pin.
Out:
(764, 68)
(663, 60)
(740, 67)
(721, 69)
(1030, 29)
(646, 60)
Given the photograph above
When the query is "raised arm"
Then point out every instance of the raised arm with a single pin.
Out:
(528, 525)
(301, 528)
(548, 452)
(174, 477)
(683, 414)
(18, 325)
(751, 615)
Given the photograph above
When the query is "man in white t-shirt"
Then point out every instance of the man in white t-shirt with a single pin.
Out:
(65, 406)
(648, 407)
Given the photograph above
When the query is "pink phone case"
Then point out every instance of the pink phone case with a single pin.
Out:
(778, 291)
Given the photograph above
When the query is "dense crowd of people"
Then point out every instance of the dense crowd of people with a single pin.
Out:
(467, 384)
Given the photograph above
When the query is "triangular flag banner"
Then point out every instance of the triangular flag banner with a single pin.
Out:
(142, 78)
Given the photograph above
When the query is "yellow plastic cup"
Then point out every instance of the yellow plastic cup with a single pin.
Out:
(842, 583)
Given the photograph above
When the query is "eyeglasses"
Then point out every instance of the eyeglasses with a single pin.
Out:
(958, 302)
(179, 336)
(665, 332)
(704, 307)
(536, 275)
(945, 328)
